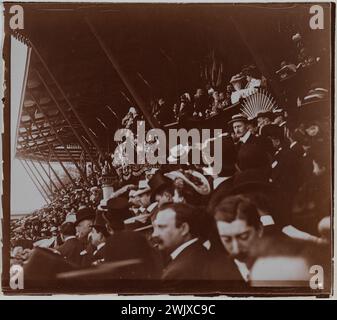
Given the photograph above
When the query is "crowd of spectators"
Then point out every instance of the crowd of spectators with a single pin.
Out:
(270, 205)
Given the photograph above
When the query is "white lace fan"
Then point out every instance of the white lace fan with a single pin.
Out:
(260, 101)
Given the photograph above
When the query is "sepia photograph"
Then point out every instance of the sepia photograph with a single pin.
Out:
(165, 148)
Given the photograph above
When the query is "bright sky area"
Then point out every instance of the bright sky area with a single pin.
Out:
(24, 195)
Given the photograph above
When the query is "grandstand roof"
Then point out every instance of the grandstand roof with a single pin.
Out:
(74, 92)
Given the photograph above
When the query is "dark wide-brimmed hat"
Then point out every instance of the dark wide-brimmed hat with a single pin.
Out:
(157, 183)
(84, 214)
(266, 114)
(251, 181)
(117, 210)
(68, 228)
(273, 131)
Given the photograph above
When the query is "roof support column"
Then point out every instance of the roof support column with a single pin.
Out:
(86, 129)
(123, 75)
(42, 187)
(35, 184)
(83, 175)
(54, 153)
(77, 135)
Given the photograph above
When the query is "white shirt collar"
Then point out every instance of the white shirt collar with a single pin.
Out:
(278, 151)
(242, 269)
(152, 206)
(177, 251)
(217, 181)
(100, 246)
(68, 238)
(245, 137)
(292, 144)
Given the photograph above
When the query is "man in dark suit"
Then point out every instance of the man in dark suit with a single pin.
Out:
(287, 165)
(98, 237)
(239, 124)
(177, 233)
(84, 219)
(72, 247)
(239, 227)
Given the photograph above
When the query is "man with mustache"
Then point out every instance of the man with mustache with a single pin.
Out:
(177, 233)
(239, 228)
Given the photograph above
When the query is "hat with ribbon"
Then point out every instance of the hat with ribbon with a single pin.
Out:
(237, 78)
(238, 118)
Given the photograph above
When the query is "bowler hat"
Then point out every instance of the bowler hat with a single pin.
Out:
(84, 213)
(272, 130)
(251, 180)
(117, 212)
(157, 183)
(266, 114)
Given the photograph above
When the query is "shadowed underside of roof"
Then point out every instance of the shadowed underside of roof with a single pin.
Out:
(74, 97)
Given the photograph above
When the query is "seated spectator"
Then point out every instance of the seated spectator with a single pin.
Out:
(292, 263)
(72, 247)
(239, 227)
(201, 103)
(177, 233)
(98, 236)
(237, 83)
(162, 190)
(251, 77)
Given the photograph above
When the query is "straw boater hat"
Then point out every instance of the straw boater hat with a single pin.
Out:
(237, 118)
